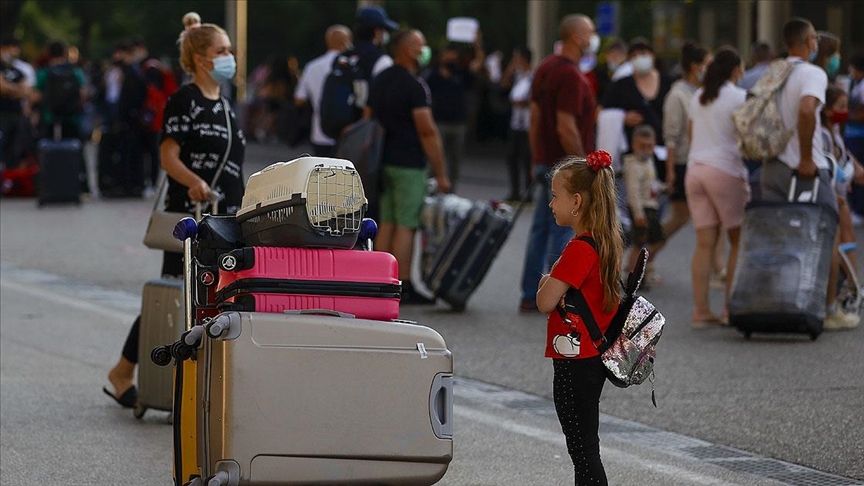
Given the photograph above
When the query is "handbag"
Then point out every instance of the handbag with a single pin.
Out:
(159, 234)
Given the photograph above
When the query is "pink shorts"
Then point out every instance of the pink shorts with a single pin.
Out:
(715, 197)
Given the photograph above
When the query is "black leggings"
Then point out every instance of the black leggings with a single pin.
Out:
(172, 266)
(576, 389)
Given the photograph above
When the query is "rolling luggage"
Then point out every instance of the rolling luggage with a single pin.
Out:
(323, 399)
(307, 202)
(60, 169)
(162, 323)
(271, 279)
(784, 259)
(460, 262)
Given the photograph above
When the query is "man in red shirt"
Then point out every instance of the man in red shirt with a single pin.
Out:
(562, 123)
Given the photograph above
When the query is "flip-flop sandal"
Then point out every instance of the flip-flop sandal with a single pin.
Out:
(127, 400)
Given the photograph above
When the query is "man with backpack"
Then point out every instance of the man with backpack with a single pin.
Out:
(61, 89)
(346, 88)
(338, 38)
(799, 102)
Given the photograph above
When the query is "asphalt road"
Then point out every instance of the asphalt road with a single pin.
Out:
(731, 411)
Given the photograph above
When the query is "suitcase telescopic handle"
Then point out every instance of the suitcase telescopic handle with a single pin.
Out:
(813, 193)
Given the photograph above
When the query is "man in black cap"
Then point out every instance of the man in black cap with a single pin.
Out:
(372, 33)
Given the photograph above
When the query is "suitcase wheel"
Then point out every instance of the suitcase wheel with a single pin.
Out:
(814, 336)
(747, 334)
(139, 411)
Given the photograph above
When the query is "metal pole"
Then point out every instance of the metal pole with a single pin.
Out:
(241, 49)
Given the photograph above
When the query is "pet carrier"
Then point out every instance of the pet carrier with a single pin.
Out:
(307, 202)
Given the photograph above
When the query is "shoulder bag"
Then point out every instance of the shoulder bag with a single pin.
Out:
(159, 230)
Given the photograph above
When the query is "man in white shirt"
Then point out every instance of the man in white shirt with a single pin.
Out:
(337, 39)
(799, 102)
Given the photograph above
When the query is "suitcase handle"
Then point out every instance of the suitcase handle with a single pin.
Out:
(318, 312)
(441, 406)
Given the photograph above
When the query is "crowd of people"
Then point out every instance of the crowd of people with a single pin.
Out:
(677, 157)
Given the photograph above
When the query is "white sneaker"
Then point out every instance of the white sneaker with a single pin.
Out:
(839, 321)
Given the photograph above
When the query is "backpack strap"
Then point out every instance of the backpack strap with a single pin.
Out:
(574, 303)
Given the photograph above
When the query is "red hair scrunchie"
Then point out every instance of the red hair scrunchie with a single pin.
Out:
(598, 159)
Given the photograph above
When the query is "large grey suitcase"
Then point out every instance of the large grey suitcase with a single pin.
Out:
(162, 314)
(784, 260)
(302, 398)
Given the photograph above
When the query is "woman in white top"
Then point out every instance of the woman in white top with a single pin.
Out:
(716, 180)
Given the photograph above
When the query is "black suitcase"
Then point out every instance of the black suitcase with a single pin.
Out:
(60, 170)
(462, 260)
(781, 275)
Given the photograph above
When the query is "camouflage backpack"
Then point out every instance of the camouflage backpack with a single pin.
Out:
(761, 132)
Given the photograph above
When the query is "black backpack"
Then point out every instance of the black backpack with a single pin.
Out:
(62, 94)
(346, 91)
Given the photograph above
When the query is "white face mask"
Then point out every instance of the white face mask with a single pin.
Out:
(594, 44)
(643, 63)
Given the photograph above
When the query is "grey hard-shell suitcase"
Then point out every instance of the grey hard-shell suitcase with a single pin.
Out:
(60, 171)
(162, 323)
(310, 398)
(460, 262)
(784, 259)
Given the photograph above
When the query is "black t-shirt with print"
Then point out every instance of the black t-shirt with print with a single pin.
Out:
(11, 75)
(197, 124)
(394, 95)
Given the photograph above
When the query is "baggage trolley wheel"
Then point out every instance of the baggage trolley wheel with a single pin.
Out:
(139, 411)
(160, 356)
(181, 351)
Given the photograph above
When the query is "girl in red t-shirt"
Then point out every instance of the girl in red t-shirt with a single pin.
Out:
(584, 198)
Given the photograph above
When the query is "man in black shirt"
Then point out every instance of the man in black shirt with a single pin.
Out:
(401, 102)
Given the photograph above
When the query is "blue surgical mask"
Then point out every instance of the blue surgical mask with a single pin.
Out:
(224, 68)
(814, 53)
(833, 66)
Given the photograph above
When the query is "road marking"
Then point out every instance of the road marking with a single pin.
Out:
(109, 304)
(83, 305)
(609, 454)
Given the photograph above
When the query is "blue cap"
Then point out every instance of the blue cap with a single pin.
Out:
(376, 17)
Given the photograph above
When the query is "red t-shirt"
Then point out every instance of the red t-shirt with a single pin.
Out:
(559, 86)
(578, 266)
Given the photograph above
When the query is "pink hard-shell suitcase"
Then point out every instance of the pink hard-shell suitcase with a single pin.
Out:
(274, 279)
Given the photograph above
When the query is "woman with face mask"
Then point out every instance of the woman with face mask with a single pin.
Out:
(828, 55)
(201, 142)
(640, 95)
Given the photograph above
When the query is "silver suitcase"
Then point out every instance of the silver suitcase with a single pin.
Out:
(305, 398)
(162, 311)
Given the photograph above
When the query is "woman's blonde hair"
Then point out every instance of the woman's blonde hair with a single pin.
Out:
(196, 41)
(191, 19)
(600, 217)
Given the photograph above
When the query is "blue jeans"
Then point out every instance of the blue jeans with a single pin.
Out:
(546, 240)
